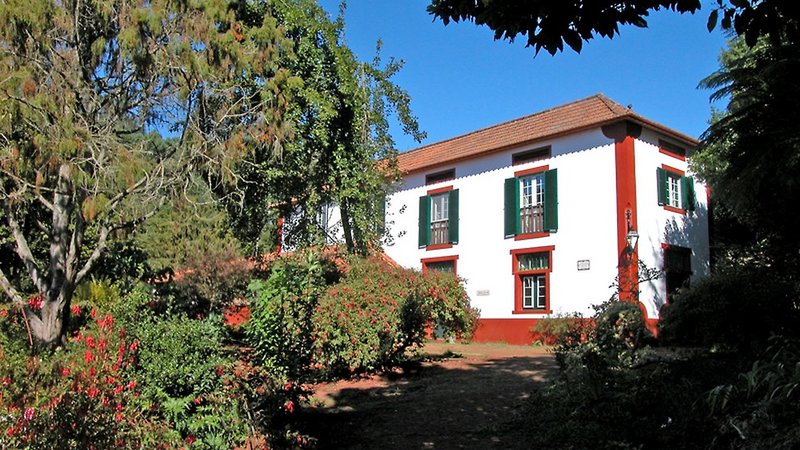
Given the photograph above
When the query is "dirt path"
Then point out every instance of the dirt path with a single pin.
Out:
(461, 402)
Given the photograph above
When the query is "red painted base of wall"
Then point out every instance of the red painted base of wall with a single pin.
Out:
(519, 331)
(512, 331)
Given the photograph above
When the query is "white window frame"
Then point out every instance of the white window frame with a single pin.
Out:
(534, 291)
(674, 190)
(440, 207)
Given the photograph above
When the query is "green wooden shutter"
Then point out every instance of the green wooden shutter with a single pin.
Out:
(661, 176)
(424, 220)
(453, 217)
(688, 198)
(511, 203)
(551, 200)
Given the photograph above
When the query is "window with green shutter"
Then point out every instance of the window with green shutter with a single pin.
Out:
(438, 218)
(675, 190)
(531, 203)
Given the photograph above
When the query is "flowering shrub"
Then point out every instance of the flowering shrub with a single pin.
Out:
(321, 314)
(377, 311)
(82, 397)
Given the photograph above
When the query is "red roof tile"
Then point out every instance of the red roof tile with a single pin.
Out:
(591, 112)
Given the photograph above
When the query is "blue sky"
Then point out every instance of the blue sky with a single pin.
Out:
(461, 79)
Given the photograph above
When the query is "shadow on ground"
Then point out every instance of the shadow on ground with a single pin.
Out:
(457, 403)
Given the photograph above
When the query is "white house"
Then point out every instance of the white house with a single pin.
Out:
(540, 215)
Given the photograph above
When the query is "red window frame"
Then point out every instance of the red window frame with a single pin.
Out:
(523, 173)
(680, 173)
(518, 274)
(453, 258)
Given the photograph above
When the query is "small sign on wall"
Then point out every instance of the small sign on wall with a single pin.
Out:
(483, 292)
(583, 264)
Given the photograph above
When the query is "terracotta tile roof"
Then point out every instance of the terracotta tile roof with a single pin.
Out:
(590, 112)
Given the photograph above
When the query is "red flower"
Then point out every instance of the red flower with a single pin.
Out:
(88, 356)
(35, 302)
(29, 413)
(90, 342)
(93, 313)
(190, 440)
(131, 385)
(65, 372)
(289, 406)
(76, 310)
(92, 392)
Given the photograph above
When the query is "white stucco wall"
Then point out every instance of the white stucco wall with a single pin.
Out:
(658, 226)
(587, 225)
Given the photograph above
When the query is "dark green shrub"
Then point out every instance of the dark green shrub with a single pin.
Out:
(179, 356)
(280, 327)
(737, 310)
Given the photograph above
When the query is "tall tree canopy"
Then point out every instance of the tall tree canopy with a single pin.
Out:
(549, 24)
(341, 153)
(750, 155)
(109, 106)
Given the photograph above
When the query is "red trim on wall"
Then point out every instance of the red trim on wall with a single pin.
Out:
(628, 267)
(674, 209)
(438, 247)
(511, 331)
(540, 234)
(440, 190)
(426, 261)
(673, 170)
(670, 149)
(669, 153)
(532, 170)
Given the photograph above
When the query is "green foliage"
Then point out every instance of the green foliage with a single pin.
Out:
(734, 310)
(341, 151)
(548, 330)
(193, 242)
(185, 376)
(180, 355)
(550, 24)
(759, 408)
(377, 311)
(110, 108)
(83, 396)
(281, 326)
(98, 293)
(749, 154)
(314, 316)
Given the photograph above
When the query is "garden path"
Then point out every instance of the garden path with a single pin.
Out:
(467, 401)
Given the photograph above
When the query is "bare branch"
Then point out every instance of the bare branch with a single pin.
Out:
(23, 251)
(12, 293)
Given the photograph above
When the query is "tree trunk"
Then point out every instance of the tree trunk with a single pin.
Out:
(49, 327)
(347, 228)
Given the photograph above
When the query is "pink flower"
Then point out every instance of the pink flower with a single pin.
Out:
(28, 415)
(190, 440)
